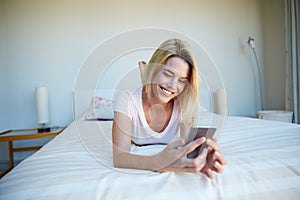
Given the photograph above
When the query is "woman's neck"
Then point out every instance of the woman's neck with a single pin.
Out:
(157, 114)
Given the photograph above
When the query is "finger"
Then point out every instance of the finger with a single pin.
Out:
(210, 173)
(203, 154)
(199, 162)
(218, 156)
(176, 144)
(193, 145)
(218, 167)
(209, 149)
(213, 144)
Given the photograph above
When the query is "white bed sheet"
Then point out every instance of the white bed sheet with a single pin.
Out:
(263, 163)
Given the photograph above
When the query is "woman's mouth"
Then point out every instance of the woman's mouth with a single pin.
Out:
(165, 91)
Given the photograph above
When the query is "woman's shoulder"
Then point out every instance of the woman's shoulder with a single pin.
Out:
(129, 93)
(126, 101)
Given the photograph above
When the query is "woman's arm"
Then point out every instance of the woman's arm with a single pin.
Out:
(121, 135)
(172, 158)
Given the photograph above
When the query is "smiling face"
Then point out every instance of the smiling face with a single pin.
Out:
(171, 79)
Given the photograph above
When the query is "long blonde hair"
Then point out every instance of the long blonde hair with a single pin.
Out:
(189, 98)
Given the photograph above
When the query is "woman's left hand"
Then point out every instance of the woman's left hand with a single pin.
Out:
(215, 159)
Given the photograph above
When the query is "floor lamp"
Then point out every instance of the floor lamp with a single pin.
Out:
(278, 115)
(251, 44)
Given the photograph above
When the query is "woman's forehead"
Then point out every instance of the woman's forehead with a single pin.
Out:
(177, 65)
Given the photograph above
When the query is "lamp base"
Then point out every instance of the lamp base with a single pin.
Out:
(44, 129)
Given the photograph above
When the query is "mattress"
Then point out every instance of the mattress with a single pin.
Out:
(263, 162)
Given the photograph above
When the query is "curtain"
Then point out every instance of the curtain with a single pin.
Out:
(292, 57)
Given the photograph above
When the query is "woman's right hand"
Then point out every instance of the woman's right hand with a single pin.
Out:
(174, 157)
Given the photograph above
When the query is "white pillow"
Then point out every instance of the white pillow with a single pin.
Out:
(100, 109)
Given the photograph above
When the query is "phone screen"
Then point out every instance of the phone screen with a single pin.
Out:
(198, 132)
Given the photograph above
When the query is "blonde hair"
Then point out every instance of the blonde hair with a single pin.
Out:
(189, 98)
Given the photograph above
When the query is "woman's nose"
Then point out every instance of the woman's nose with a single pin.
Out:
(172, 83)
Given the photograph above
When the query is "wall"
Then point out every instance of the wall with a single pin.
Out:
(45, 43)
(4, 78)
(4, 71)
(274, 54)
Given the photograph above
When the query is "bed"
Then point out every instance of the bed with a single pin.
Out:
(263, 157)
(263, 163)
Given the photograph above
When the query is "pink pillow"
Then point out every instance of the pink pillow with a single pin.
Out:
(100, 109)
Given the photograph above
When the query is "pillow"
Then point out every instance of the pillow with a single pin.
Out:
(100, 109)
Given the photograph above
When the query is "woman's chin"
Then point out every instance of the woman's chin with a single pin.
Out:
(165, 99)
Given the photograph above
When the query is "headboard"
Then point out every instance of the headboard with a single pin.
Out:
(108, 84)
(216, 103)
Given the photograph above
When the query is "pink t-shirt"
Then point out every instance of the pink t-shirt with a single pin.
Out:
(129, 102)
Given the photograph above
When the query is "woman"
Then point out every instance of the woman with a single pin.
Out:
(161, 112)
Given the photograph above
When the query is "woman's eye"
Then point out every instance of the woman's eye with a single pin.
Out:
(167, 74)
(182, 80)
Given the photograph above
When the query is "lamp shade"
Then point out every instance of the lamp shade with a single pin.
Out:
(42, 105)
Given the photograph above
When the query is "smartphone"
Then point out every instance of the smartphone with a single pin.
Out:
(196, 132)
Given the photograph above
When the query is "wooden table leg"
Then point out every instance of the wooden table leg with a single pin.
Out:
(11, 154)
(11, 159)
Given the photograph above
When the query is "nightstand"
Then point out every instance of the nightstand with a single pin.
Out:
(24, 134)
(276, 115)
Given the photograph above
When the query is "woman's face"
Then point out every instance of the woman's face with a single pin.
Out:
(171, 79)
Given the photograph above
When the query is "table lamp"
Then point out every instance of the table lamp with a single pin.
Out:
(42, 108)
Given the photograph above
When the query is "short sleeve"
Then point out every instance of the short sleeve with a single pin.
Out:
(123, 102)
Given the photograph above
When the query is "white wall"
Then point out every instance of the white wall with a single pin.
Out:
(45, 43)
(274, 54)
(3, 73)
